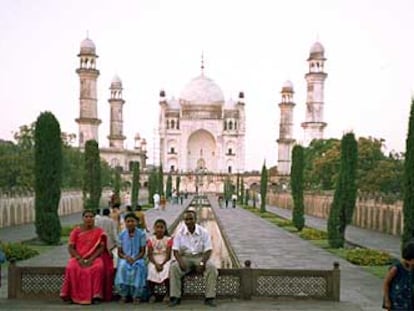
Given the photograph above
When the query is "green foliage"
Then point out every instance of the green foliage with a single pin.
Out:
(135, 183)
(281, 222)
(160, 181)
(247, 197)
(408, 204)
(177, 183)
(92, 187)
(152, 186)
(263, 188)
(228, 188)
(241, 197)
(368, 257)
(48, 177)
(17, 251)
(238, 186)
(168, 187)
(296, 178)
(322, 159)
(66, 230)
(313, 234)
(345, 193)
(117, 186)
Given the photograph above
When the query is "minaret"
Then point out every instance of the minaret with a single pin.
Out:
(116, 137)
(285, 141)
(162, 127)
(88, 74)
(314, 125)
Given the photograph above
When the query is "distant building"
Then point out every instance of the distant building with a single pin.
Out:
(201, 131)
(116, 155)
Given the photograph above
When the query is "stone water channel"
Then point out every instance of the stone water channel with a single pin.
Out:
(222, 256)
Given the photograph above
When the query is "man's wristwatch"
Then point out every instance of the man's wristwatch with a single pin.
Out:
(201, 263)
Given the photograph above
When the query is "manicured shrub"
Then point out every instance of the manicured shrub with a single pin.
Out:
(18, 251)
(48, 177)
(368, 257)
(92, 187)
(313, 234)
(296, 174)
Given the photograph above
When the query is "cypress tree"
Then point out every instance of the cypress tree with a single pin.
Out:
(246, 197)
(408, 202)
(160, 180)
(48, 177)
(296, 176)
(168, 187)
(263, 188)
(238, 187)
(241, 199)
(152, 186)
(135, 184)
(177, 183)
(343, 204)
(92, 187)
(117, 185)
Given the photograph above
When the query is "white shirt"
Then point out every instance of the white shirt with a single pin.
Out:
(192, 244)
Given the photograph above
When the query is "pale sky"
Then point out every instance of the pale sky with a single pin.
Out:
(251, 46)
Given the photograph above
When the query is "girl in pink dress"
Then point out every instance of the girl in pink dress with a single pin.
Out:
(159, 254)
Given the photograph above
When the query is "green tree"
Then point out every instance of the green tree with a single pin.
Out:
(246, 197)
(135, 183)
(117, 185)
(48, 177)
(408, 202)
(241, 198)
(263, 188)
(296, 177)
(152, 185)
(168, 188)
(177, 183)
(343, 204)
(160, 181)
(238, 187)
(92, 186)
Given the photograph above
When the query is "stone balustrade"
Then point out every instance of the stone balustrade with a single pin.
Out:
(368, 214)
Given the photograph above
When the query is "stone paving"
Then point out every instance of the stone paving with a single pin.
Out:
(252, 238)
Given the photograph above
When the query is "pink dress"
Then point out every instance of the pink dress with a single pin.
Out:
(82, 284)
(159, 253)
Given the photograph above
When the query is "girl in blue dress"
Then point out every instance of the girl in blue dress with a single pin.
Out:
(398, 283)
(131, 273)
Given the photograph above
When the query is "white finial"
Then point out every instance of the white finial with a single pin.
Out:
(202, 62)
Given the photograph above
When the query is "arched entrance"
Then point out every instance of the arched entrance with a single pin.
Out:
(201, 151)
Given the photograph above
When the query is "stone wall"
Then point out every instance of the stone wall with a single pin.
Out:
(20, 210)
(368, 214)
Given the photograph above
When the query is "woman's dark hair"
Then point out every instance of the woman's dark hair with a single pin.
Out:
(164, 223)
(131, 215)
(408, 251)
(138, 207)
(129, 208)
(88, 211)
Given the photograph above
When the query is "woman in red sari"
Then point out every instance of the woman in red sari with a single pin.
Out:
(90, 270)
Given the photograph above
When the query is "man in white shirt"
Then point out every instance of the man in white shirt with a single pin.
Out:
(192, 250)
(110, 228)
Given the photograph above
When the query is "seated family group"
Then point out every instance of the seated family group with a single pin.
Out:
(143, 262)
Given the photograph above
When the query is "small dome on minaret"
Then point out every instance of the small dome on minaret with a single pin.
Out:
(163, 98)
(287, 86)
(116, 82)
(316, 51)
(240, 100)
(87, 47)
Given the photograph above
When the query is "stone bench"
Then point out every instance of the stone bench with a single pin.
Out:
(26, 282)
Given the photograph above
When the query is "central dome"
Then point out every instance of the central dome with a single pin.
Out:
(202, 91)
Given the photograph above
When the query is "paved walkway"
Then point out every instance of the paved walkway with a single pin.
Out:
(252, 238)
(355, 235)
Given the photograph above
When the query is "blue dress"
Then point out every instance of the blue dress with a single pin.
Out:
(130, 279)
(401, 289)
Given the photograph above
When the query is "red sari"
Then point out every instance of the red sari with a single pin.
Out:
(83, 284)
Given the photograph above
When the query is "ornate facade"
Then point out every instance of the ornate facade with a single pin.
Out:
(200, 131)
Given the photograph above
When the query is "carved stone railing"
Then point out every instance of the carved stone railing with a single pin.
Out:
(45, 283)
